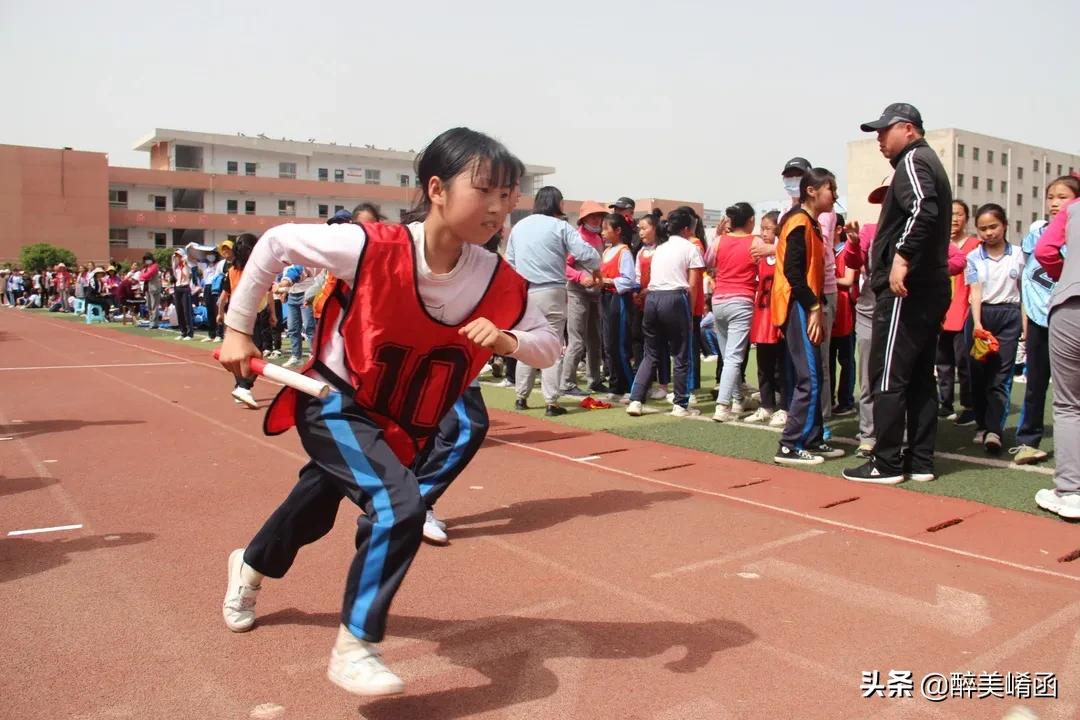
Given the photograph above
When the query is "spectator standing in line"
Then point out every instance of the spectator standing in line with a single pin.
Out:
(182, 274)
(150, 276)
(583, 323)
(953, 361)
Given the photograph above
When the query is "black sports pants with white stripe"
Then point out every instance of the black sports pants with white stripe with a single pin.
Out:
(903, 346)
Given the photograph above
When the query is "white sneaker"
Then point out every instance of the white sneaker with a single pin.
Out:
(723, 414)
(658, 393)
(737, 408)
(1067, 506)
(625, 399)
(680, 411)
(291, 362)
(504, 383)
(244, 395)
(709, 359)
(919, 477)
(761, 415)
(634, 409)
(239, 606)
(779, 419)
(435, 530)
(361, 671)
(207, 339)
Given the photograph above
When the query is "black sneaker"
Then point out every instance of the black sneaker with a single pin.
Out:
(868, 473)
(520, 404)
(945, 411)
(825, 450)
(555, 410)
(966, 418)
(842, 410)
(575, 392)
(791, 456)
(599, 387)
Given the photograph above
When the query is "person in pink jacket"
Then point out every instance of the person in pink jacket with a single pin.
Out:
(583, 310)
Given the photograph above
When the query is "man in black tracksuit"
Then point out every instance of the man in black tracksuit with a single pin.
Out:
(910, 277)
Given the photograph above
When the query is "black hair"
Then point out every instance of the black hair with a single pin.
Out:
(548, 201)
(147, 256)
(816, 178)
(961, 203)
(242, 247)
(773, 215)
(451, 153)
(995, 210)
(367, 207)
(1069, 181)
(653, 219)
(680, 219)
(740, 213)
(699, 227)
(620, 223)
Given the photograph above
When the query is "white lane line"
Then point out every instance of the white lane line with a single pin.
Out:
(35, 531)
(83, 367)
(587, 458)
(742, 554)
(804, 516)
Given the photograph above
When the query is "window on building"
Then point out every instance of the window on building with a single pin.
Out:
(974, 210)
(159, 203)
(1035, 191)
(974, 182)
(118, 237)
(231, 206)
(324, 174)
(324, 211)
(372, 177)
(417, 182)
(404, 180)
(959, 151)
(1035, 165)
(1004, 187)
(1004, 158)
(1018, 230)
(249, 169)
(960, 180)
(339, 175)
(989, 156)
(118, 198)
(1034, 216)
(1020, 199)
(1059, 170)
(287, 170)
(974, 153)
(338, 208)
(249, 207)
(1071, 170)
(232, 167)
(1019, 173)
(989, 184)
(286, 207)
(231, 238)
(159, 239)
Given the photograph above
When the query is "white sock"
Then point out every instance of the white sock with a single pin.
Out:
(250, 576)
(346, 641)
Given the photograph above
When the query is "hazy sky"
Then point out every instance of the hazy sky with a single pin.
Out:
(694, 101)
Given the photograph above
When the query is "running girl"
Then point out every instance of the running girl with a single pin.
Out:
(422, 294)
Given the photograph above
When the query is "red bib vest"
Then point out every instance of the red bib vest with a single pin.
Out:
(406, 369)
(762, 329)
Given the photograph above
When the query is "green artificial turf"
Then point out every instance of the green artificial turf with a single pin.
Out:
(998, 486)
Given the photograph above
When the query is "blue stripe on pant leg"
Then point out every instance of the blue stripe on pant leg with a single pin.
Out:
(457, 451)
(691, 376)
(370, 483)
(623, 328)
(815, 390)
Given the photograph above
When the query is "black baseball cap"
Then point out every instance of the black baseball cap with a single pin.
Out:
(796, 163)
(623, 203)
(895, 113)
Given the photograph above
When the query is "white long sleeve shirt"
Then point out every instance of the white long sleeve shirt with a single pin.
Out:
(448, 297)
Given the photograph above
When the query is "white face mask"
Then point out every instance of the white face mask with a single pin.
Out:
(592, 228)
(791, 186)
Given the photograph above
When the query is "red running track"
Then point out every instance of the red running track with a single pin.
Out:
(648, 582)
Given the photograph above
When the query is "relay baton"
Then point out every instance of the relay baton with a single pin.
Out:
(270, 371)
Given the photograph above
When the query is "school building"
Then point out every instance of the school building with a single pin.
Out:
(204, 188)
(981, 169)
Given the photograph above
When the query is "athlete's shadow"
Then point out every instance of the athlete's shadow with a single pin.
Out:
(45, 427)
(24, 555)
(10, 486)
(531, 515)
(514, 652)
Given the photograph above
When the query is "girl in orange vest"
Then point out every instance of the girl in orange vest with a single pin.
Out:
(797, 304)
(620, 282)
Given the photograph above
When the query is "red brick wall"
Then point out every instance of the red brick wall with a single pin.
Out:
(55, 196)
